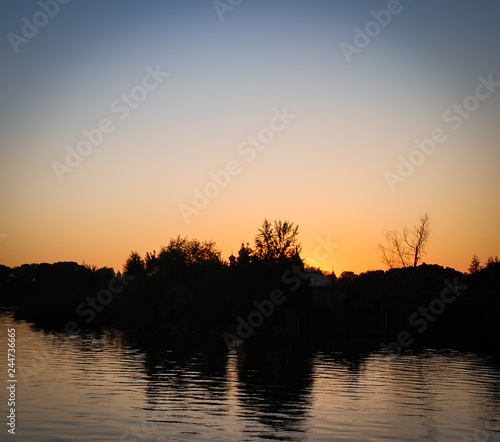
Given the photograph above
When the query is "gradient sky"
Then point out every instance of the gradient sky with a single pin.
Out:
(325, 171)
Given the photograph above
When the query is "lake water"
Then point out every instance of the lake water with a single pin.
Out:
(121, 387)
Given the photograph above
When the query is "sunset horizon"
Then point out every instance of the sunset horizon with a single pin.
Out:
(201, 119)
(248, 220)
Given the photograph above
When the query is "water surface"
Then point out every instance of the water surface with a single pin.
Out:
(132, 387)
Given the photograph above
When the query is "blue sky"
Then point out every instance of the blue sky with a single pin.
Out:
(325, 171)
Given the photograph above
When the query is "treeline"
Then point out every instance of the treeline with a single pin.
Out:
(186, 288)
(434, 305)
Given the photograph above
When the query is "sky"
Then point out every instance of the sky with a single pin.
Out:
(124, 124)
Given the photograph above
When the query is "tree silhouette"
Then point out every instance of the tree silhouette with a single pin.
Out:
(135, 265)
(347, 275)
(182, 255)
(492, 262)
(475, 264)
(278, 242)
(405, 249)
(151, 263)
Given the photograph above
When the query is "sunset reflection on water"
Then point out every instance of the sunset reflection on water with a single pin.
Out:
(113, 386)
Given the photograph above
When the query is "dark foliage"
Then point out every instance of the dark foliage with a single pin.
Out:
(187, 289)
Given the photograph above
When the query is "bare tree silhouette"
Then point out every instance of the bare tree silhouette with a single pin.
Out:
(405, 249)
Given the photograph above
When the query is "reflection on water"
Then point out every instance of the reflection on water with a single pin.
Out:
(113, 386)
